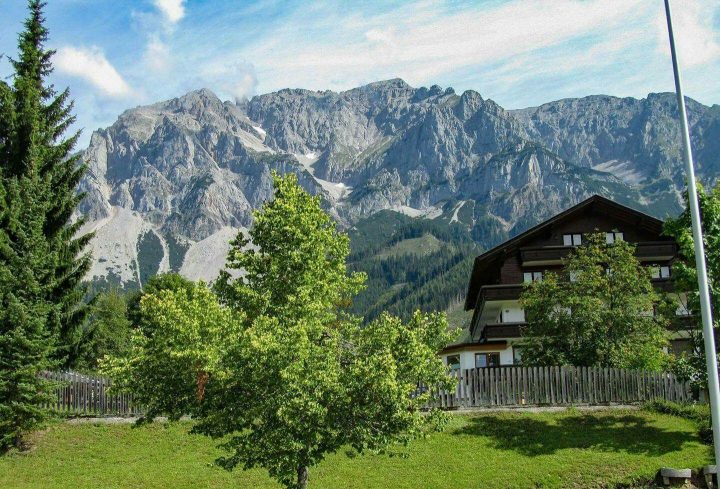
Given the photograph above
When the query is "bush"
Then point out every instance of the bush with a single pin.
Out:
(700, 413)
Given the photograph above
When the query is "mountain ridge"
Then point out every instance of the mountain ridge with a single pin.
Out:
(181, 175)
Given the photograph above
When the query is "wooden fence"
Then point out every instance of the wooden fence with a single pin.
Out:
(478, 387)
(84, 394)
(559, 386)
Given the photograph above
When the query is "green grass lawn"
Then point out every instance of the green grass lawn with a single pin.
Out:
(493, 450)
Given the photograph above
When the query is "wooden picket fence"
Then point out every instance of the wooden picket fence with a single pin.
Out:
(478, 387)
(559, 386)
(88, 395)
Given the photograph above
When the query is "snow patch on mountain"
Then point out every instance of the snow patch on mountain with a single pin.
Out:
(626, 171)
(260, 131)
(336, 190)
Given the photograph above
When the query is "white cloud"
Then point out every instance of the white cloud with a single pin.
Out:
(243, 86)
(172, 10)
(91, 65)
(421, 42)
(386, 36)
(237, 80)
(696, 41)
(157, 55)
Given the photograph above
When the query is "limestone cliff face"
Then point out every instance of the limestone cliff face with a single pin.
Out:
(181, 176)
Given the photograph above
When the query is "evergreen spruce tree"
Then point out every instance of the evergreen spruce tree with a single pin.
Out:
(37, 143)
(26, 343)
(41, 260)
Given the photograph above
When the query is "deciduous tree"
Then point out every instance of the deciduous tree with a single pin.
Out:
(300, 378)
(306, 379)
(600, 311)
(175, 351)
(684, 275)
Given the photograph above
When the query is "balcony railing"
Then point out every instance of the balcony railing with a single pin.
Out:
(553, 255)
(502, 330)
(493, 331)
(500, 292)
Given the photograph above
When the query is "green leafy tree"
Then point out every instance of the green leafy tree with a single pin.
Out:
(175, 350)
(684, 275)
(281, 372)
(306, 379)
(598, 312)
(108, 329)
(35, 118)
(162, 281)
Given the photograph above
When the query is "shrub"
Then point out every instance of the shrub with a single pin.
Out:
(700, 413)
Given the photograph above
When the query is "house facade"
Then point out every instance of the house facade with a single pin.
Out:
(493, 337)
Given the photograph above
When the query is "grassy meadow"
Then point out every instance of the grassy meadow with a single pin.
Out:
(570, 448)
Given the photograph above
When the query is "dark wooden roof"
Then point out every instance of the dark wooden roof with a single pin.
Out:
(495, 257)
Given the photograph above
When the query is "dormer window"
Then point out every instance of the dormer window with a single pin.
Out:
(532, 277)
(572, 239)
(613, 237)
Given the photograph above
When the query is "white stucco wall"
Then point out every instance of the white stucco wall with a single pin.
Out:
(512, 312)
(506, 356)
(467, 358)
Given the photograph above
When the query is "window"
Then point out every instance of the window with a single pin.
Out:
(614, 236)
(453, 361)
(517, 355)
(572, 239)
(532, 277)
(483, 360)
(660, 271)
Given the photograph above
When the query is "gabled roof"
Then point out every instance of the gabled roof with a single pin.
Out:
(597, 203)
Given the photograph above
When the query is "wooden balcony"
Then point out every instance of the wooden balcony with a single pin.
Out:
(546, 255)
(663, 284)
(656, 251)
(509, 292)
(494, 331)
(685, 323)
(553, 255)
(502, 330)
(502, 292)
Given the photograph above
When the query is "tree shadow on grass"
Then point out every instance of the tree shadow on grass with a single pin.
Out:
(612, 433)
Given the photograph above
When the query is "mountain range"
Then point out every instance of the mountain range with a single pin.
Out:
(170, 184)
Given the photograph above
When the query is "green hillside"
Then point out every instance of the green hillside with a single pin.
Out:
(412, 263)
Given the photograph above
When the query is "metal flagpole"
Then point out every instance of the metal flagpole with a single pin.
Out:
(710, 356)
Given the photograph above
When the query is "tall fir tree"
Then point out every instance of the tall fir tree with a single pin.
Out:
(41, 258)
(38, 143)
(26, 343)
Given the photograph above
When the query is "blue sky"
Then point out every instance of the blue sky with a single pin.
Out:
(116, 54)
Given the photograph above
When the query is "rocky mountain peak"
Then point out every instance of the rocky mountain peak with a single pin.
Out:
(182, 176)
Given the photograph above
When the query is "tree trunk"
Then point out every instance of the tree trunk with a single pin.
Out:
(302, 477)
(201, 381)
